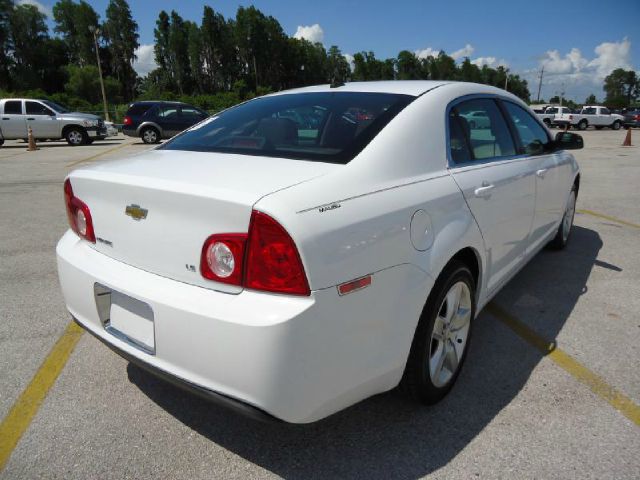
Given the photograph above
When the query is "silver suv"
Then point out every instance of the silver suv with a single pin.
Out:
(48, 120)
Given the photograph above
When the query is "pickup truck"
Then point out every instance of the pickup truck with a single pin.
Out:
(596, 116)
(47, 120)
(548, 115)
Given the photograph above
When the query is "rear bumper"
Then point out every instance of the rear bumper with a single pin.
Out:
(632, 123)
(130, 132)
(298, 359)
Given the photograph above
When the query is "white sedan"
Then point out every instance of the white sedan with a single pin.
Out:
(305, 250)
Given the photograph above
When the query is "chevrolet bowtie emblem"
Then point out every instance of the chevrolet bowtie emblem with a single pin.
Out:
(135, 212)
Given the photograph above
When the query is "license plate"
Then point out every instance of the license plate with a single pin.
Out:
(128, 319)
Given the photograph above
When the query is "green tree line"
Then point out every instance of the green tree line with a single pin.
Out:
(213, 64)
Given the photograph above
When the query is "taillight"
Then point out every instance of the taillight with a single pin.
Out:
(570, 117)
(265, 259)
(637, 117)
(78, 214)
(127, 120)
(223, 257)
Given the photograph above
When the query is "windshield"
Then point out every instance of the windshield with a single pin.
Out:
(325, 126)
(56, 106)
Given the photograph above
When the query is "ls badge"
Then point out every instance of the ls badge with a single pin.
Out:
(136, 212)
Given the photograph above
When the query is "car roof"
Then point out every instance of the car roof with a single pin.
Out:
(406, 87)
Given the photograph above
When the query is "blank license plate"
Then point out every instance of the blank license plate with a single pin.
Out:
(132, 321)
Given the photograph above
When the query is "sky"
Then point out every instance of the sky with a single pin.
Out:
(578, 43)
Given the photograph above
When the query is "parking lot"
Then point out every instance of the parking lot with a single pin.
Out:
(551, 388)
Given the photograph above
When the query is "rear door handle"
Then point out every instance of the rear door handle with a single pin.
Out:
(484, 191)
(31, 118)
(542, 172)
(6, 118)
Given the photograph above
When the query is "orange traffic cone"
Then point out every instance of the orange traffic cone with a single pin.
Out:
(32, 141)
(627, 139)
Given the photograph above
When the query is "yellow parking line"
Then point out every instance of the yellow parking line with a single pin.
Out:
(97, 155)
(608, 217)
(21, 414)
(597, 384)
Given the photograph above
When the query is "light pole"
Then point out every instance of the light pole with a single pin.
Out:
(96, 32)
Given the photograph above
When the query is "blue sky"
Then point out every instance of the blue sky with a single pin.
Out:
(578, 42)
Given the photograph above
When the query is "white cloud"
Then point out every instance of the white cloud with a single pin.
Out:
(44, 9)
(313, 33)
(427, 52)
(145, 60)
(465, 51)
(492, 62)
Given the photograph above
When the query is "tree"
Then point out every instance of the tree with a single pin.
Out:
(408, 66)
(179, 52)
(84, 82)
(75, 21)
(337, 66)
(121, 34)
(622, 87)
(591, 100)
(6, 8)
(28, 36)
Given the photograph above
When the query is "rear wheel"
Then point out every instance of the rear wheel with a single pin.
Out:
(150, 135)
(76, 136)
(564, 230)
(616, 125)
(442, 337)
(582, 125)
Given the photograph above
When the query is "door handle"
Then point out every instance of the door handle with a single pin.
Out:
(484, 191)
(6, 118)
(541, 173)
(31, 118)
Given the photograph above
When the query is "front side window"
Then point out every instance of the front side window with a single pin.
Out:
(13, 107)
(324, 126)
(480, 124)
(56, 106)
(533, 136)
(36, 108)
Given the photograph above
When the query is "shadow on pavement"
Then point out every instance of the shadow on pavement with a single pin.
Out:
(387, 436)
(55, 145)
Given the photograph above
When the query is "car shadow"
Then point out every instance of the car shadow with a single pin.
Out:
(387, 436)
(24, 146)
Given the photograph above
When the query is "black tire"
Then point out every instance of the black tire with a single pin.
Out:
(76, 136)
(561, 239)
(582, 125)
(150, 135)
(416, 381)
(1, 141)
(616, 125)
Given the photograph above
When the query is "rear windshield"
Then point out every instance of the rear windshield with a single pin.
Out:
(326, 126)
(139, 108)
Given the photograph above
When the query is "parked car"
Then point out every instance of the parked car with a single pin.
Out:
(549, 114)
(290, 274)
(48, 121)
(632, 118)
(155, 120)
(112, 130)
(596, 116)
(477, 119)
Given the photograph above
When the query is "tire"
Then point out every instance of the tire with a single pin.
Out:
(76, 136)
(431, 372)
(582, 125)
(616, 125)
(561, 239)
(547, 122)
(1, 142)
(150, 135)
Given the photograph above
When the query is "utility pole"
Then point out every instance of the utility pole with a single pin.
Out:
(96, 32)
(506, 79)
(540, 83)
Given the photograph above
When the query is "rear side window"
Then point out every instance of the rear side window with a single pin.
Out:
(323, 126)
(13, 107)
(168, 112)
(478, 131)
(138, 109)
(533, 136)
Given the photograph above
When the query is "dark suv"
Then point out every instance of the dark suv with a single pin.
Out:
(154, 120)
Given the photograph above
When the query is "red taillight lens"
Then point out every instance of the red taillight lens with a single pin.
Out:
(223, 257)
(637, 117)
(78, 214)
(127, 120)
(273, 261)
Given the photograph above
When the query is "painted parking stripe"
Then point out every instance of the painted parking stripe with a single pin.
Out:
(98, 155)
(609, 217)
(597, 384)
(21, 414)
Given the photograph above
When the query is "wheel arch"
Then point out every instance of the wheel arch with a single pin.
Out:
(68, 127)
(144, 125)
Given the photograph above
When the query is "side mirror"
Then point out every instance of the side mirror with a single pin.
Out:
(569, 141)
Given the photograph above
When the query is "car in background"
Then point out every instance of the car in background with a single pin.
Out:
(291, 268)
(590, 116)
(632, 118)
(48, 121)
(112, 130)
(477, 119)
(548, 114)
(155, 120)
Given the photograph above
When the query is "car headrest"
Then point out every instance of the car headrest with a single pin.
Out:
(278, 131)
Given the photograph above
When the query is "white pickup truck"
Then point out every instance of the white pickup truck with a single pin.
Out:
(48, 120)
(590, 115)
(549, 114)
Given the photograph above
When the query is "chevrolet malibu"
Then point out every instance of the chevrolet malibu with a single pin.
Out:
(305, 250)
